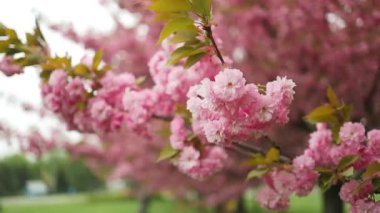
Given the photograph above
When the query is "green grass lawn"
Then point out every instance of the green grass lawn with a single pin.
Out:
(98, 207)
(88, 204)
(310, 204)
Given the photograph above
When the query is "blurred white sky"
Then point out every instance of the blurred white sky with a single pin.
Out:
(84, 15)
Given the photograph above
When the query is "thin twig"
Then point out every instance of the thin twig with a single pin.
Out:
(240, 150)
(163, 118)
(211, 37)
(255, 149)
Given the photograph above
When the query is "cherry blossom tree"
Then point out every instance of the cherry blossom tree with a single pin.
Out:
(189, 105)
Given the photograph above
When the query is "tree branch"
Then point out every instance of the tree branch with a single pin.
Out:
(370, 98)
(163, 118)
(209, 34)
(254, 149)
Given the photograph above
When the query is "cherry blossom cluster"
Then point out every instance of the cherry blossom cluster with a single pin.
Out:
(195, 158)
(352, 141)
(171, 84)
(280, 184)
(221, 111)
(357, 194)
(85, 108)
(228, 108)
(324, 153)
(33, 142)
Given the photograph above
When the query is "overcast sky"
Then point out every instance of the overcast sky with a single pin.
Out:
(84, 15)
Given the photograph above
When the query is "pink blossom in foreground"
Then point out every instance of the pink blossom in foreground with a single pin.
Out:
(352, 133)
(175, 81)
(374, 144)
(228, 108)
(268, 198)
(365, 206)
(306, 177)
(320, 143)
(347, 192)
(229, 85)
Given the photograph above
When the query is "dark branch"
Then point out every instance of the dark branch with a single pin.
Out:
(370, 98)
(254, 149)
(163, 118)
(211, 37)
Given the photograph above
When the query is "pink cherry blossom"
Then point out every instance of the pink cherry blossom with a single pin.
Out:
(178, 133)
(229, 85)
(352, 133)
(188, 159)
(270, 199)
(8, 67)
(347, 192)
(212, 160)
(364, 206)
(374, 142)
(227, 108)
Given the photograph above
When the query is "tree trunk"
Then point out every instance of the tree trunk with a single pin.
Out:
(331, 200)
(144, 203)
(241, 206)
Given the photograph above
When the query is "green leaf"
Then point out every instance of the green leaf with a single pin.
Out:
(257, 173)
(38, 32)
(164, 132)
(12, 36)
(335, 128)
(333, 99)
(347, 161)
(2, 29)
(28, 60)
(97, 59)
(272, 155)
(104, 70)
(165, 17)
(324, 113)
(183, 52)
(170, 6)
(167, 152)
(184, 36)
(372, 169)
(175, 25)
(325, 181)
(4, 46)
(56, 63)
(81, 70)
(346, 112)
(140, 80)
(31, 40)
(348, 172)
(45, 75)
(203, 8)
(193, 59)
(182, 110)
(323, 169)
(257, 159)
(191, 137)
